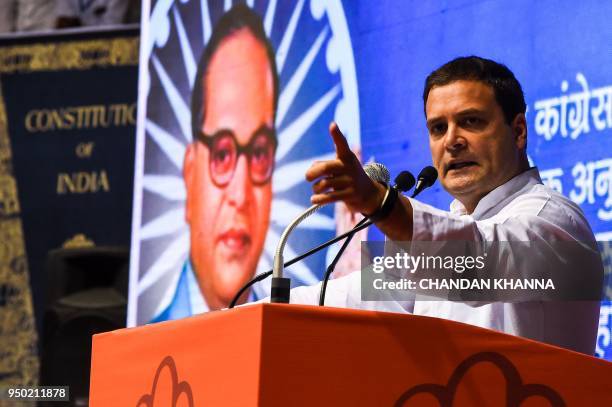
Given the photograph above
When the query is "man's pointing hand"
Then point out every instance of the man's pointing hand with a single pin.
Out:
(343, 179)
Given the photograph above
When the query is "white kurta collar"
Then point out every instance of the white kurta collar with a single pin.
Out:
(499, 195)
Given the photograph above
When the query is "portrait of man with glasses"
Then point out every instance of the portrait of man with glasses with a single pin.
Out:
(229, 164)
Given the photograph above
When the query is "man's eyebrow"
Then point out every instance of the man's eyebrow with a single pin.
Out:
(433, 121)
(470, 111)
(223, 130)
(264, 128)
(465, 112)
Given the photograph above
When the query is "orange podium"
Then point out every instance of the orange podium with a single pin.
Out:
(293, 355)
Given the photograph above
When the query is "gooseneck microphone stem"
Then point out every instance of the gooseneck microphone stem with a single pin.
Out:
(281, 286)
(332, 265)
(376, 172)
(364, 223)
(403, 182)
(322, 246)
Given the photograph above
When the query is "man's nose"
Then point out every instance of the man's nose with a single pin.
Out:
(453, 140)
(239, 189)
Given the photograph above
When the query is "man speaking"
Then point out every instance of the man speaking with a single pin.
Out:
(475, 112)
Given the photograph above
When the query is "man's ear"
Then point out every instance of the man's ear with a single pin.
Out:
(519, 129)
(188, 175)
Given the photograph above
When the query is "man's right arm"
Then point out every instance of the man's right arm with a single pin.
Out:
(344, 179)
(399, 224)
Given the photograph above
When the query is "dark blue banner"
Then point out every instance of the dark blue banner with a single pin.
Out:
(70, 104)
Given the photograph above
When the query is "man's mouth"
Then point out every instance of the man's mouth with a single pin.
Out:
(235, 239)
(459, 165)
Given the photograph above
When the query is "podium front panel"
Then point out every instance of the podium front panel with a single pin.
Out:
(291, 355)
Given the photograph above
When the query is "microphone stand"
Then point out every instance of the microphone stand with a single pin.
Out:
(263, 276)
(332, 265)
(426, 179)
(406, 180)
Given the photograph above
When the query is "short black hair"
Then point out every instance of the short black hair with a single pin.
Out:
(238, 17)
(507, 89)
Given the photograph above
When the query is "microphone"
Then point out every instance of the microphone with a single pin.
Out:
(281, 285)
(377, 172)
(264, 275)
(426, 178)
(404, 181)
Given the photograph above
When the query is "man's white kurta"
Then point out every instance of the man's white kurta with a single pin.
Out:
(523, 209)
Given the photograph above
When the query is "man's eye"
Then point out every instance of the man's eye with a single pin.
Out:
(260, 153)
(438, 129)
(221, 155)
(473, 121)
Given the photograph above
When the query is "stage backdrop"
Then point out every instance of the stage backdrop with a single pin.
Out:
(362, 64)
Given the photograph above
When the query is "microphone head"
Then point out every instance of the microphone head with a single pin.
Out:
(428, 176)
(404, 181)
(377, 172)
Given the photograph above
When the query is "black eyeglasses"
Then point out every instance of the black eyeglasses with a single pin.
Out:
(225, 151)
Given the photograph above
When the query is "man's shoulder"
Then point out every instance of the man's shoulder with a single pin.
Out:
(541, 201)
(556, 202)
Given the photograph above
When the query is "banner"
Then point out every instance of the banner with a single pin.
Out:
(205, 219)
(70, 102)
(362, 64)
